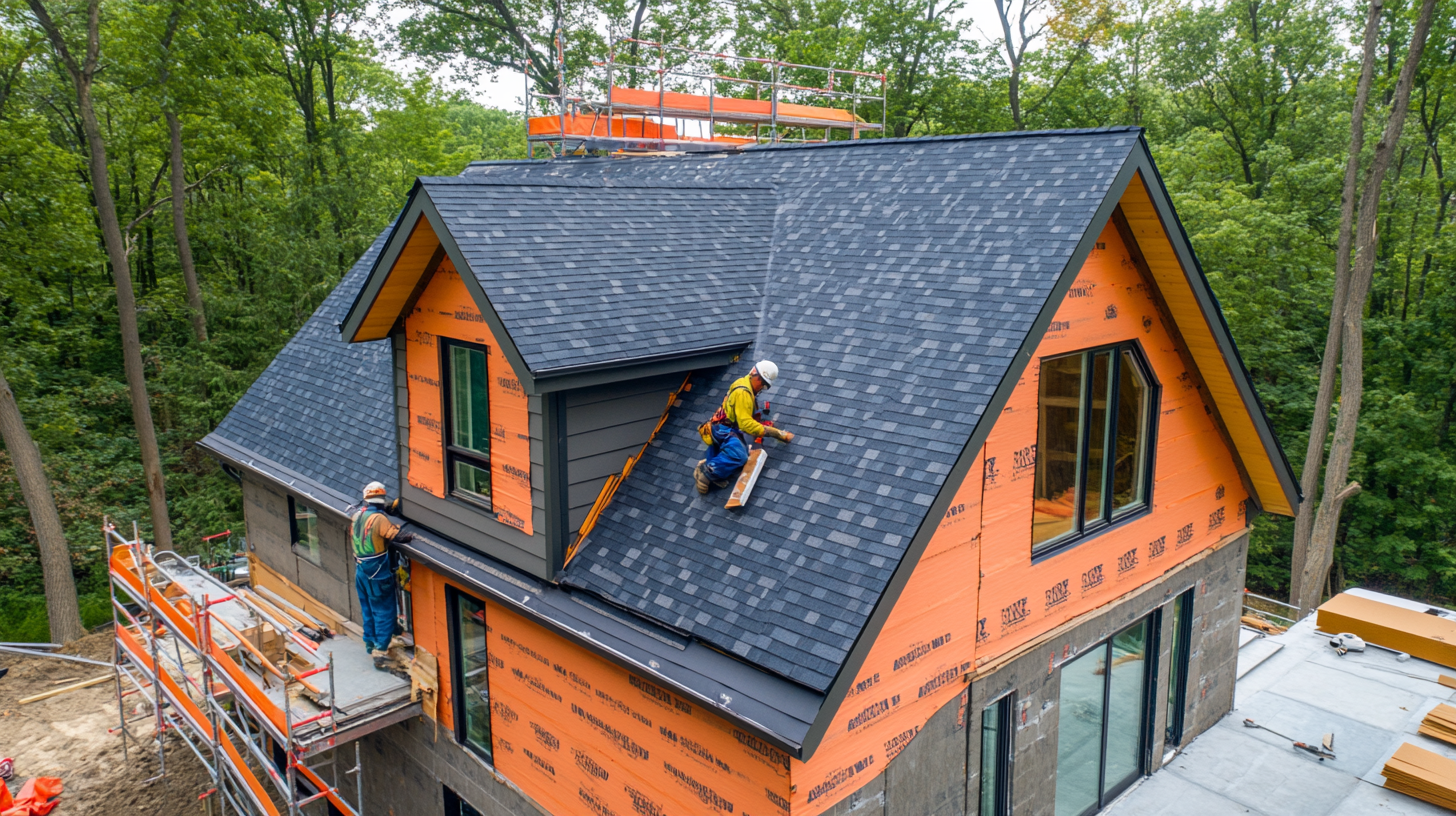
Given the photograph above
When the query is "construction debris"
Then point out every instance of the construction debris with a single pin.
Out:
(46, 695)
(1423, 774)
(37, 797)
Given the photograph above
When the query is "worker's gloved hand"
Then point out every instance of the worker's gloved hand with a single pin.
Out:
(404, 538)
(781, 434)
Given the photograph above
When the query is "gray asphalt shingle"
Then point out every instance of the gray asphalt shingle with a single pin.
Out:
(904, 277)
(582, 275)
(323, 407)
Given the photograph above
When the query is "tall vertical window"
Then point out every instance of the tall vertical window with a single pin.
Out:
(1103, 722)
(467, 440)
(469, 671)
(996, 729)
(1178, 668)
(304, 522)
(1094, 438)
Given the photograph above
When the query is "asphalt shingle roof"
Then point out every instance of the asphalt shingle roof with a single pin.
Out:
(900, 279)
(905, 276)
(325, 408)
(593, 275)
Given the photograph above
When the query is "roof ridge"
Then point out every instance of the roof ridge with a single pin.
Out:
(591, 182)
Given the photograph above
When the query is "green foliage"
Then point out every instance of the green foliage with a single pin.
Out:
(302, 144)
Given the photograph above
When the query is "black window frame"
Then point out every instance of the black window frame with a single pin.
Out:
(453, 598)
(1004, 712)
(1106, 795)
(1179, 660)
(293, 533)
(453, 451)
(1082, 529)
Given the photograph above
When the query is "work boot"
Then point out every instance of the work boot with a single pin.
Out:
(700, 475)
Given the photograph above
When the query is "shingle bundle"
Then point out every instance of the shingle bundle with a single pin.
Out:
(1422, 774)
(1440, 724)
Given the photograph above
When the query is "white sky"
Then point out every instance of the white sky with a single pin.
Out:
(506, 90)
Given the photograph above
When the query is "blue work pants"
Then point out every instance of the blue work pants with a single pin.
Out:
(375, 582)
(727, 454)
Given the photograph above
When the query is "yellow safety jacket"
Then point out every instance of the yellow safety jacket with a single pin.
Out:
(739, 407)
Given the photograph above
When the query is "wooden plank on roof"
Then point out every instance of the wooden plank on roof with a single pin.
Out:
(1218, 372)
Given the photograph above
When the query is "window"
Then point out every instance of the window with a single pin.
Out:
(1103, 722)
(1093, 444)
(455, 806)
(996, 730)
(1178, 668)
(304, 523)
(469, 675)
(467, 408)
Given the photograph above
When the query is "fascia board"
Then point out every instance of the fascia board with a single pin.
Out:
(849, 670)
(393, 245)
(1217, 323)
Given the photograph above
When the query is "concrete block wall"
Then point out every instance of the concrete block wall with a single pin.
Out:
(270, 538)
(406, 765)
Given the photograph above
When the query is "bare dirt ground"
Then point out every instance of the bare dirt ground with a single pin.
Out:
(66, 736)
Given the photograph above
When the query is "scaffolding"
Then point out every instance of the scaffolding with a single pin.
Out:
(635, 120)
(252, 684)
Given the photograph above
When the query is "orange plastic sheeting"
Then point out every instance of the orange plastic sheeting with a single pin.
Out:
(917, 665)
(1198, 496)
(446, 309)
(36, 797)
(580, 735)
(1394, 627)
(726, 106)
(589, 125)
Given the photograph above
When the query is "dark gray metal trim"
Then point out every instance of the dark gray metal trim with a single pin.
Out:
(553, 420)
(465, 524)
(1218, 325)
(291, 481)
(849, 670)
(633, 370)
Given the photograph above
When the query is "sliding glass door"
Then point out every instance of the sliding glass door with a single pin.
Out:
(1102, 728)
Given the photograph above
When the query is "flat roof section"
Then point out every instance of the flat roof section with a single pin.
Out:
(1371, 701)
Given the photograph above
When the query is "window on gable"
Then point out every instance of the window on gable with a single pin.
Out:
(303, 520)
(467, 437)
(1094, 443)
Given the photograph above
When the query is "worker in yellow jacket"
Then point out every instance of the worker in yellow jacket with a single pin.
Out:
(739, 420)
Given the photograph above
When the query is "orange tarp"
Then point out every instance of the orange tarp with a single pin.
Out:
(726, 106)
(589, 125)
(36, 797)
(446, 309)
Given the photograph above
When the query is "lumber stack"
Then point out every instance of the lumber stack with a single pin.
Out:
(1420, 773)
(1440, 724)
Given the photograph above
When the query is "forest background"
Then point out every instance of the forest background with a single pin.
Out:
(301, 141)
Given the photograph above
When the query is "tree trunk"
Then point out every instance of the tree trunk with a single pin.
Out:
(1352, 364)
(179, 229)
(1319, 427)
(55, 556)
(82, 74)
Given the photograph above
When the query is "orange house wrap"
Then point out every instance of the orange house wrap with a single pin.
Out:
(446, 309)
(975, 595)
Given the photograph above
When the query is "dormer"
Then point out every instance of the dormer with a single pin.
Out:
(539, 333)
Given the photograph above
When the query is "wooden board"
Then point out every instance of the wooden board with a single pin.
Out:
(1420, 773)
(264, 576)
(754, 466)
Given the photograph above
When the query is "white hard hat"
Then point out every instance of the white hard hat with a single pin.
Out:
(767, 371)
(374, 493)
